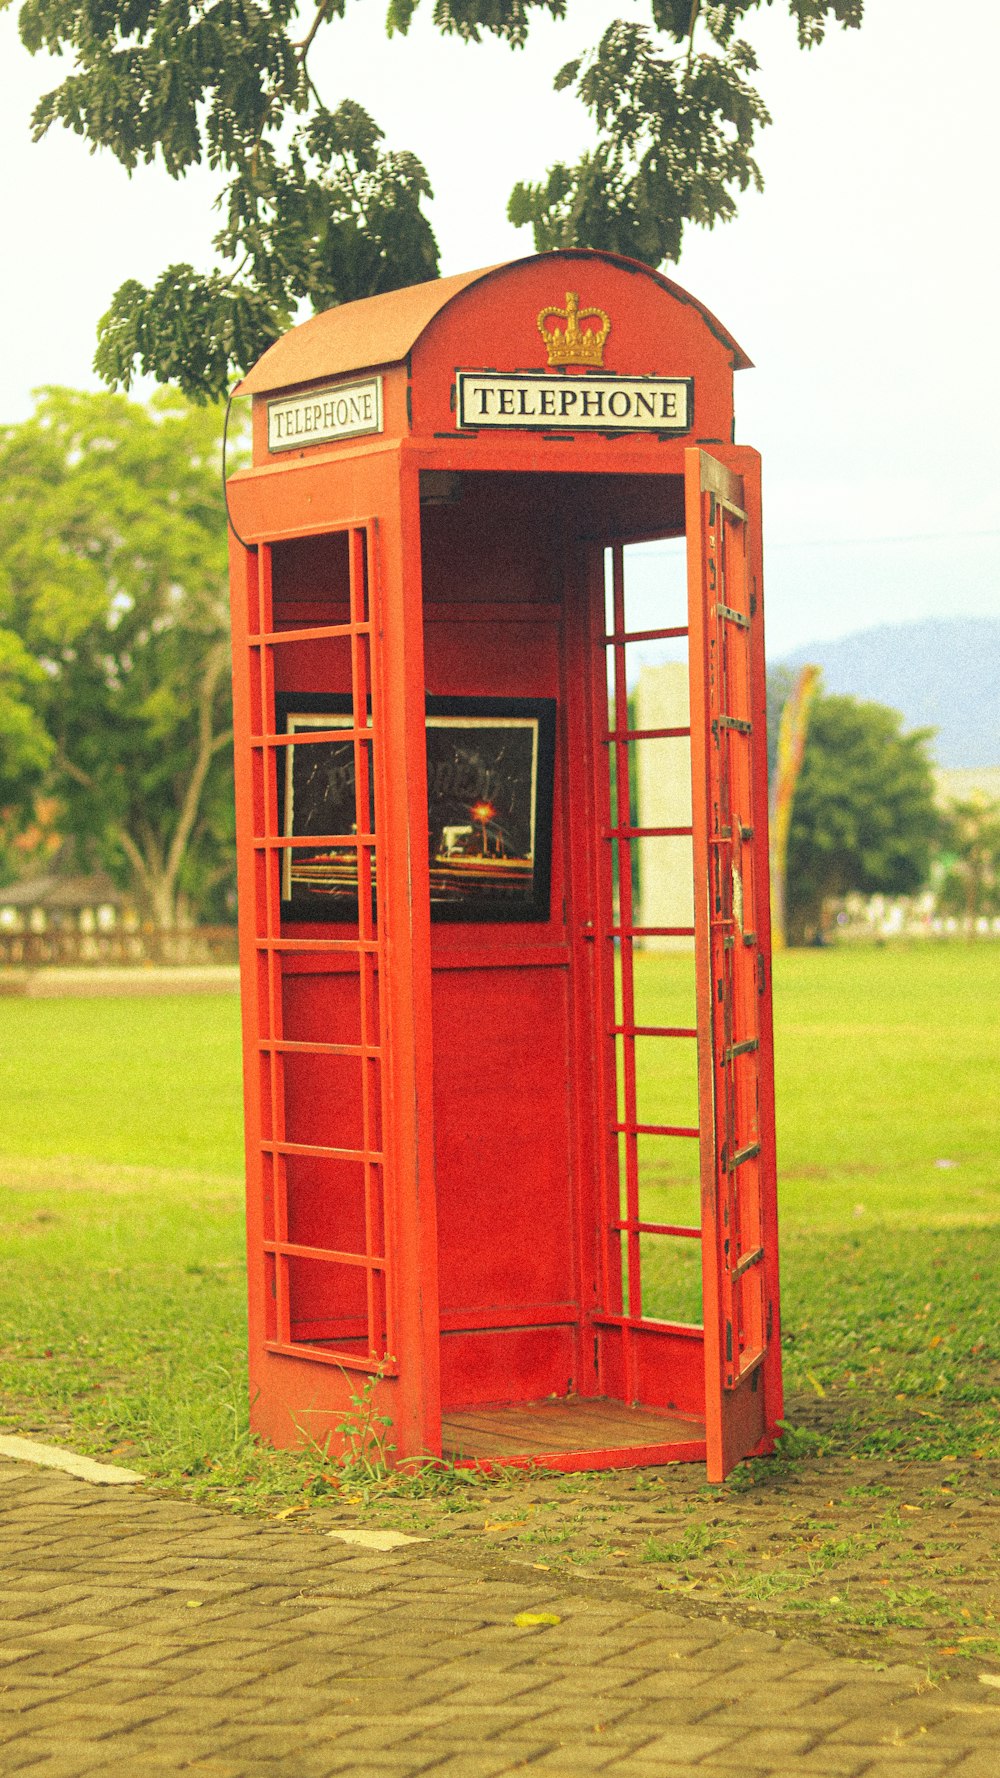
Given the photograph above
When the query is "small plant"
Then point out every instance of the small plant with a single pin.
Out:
(367, 1447)
(797, 1441)
(363, 1463)
(364, 1469)
(696, 1541)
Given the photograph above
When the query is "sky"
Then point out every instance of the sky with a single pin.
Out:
(863, 282)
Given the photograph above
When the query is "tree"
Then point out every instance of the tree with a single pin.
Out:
(970, 879)
(25, 748)
(114, 608)
(864, 817)
(317, 208)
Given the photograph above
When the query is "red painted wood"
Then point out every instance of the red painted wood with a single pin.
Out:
(732, 920)
(596, 1457)
(432, 1161)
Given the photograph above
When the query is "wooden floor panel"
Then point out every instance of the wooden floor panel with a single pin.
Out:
(531, 1428)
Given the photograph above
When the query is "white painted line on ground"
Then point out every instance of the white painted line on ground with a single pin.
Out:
(86, 1469)
(375, 1540)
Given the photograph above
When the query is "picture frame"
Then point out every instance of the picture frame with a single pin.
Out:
(490, 773)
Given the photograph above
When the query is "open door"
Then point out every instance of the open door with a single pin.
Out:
(733, 957)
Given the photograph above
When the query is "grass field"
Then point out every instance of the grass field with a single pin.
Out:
(122, 1318)
(136, 1082)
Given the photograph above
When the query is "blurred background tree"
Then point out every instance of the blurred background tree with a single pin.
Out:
(864, 818)
(969, 887)
(114, 641)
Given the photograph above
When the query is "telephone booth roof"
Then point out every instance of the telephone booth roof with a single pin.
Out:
(491, 321)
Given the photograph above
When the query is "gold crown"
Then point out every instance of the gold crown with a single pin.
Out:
(574, 344)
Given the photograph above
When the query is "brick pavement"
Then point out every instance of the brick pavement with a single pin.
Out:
(145, 1636)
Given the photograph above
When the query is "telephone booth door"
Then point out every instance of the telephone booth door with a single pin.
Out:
(728, 1129)
(733, 960)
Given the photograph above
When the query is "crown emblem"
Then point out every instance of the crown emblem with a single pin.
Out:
(575, 343)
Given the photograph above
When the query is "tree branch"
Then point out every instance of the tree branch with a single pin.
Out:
(78, 775)
(208, 746)
(305, 43)
(154, 851)
(135, 857)
(695, 10)
(301, 48)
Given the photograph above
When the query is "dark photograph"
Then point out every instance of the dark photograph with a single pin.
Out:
(489, 815)
(318, 797)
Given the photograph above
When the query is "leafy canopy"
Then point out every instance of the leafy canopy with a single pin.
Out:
(317, 208)
(864, 818)
(114, 614)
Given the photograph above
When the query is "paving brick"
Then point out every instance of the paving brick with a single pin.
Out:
(773, 1746)
(982, 1762)
(847, 1672)
(223, 1766)
(63, 1762)
(174, 1752)
(491, 1689)
(902, 1723)
(678, 1682)
(818, 1715)
(572, 1757)
(154, 1762)
(686, 1741)
(969, 1725)
(609, 1712)
(306, 1661)
(18, 1756)
(898, 1763)
(52, 1663)
(472, 1765)
(823, 1761)
(387, 1764)
(654, 1713)
(636, 1766)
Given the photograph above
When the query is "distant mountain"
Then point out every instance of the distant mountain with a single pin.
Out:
(943, 674)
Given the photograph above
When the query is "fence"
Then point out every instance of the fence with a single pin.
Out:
(186, 946)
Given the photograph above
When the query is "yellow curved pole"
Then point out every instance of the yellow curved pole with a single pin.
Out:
(792, 733)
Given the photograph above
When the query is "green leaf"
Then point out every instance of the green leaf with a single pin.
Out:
(318, 208)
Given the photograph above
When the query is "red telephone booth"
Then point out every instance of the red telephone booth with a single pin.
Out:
(469, 1174)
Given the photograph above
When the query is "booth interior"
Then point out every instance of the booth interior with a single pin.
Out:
(567, 1208)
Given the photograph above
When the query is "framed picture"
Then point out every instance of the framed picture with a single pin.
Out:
(316, 795)
(490, 765)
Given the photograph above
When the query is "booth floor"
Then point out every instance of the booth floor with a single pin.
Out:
(146, 1635)
(535, 1428)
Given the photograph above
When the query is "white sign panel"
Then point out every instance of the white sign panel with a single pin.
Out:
(344, 410)
(574, 404)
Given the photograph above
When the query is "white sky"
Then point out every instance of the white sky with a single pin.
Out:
(863, 283)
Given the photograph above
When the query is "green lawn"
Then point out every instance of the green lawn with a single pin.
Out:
(887, 1064)
(123, 1313)
(147, 1083)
